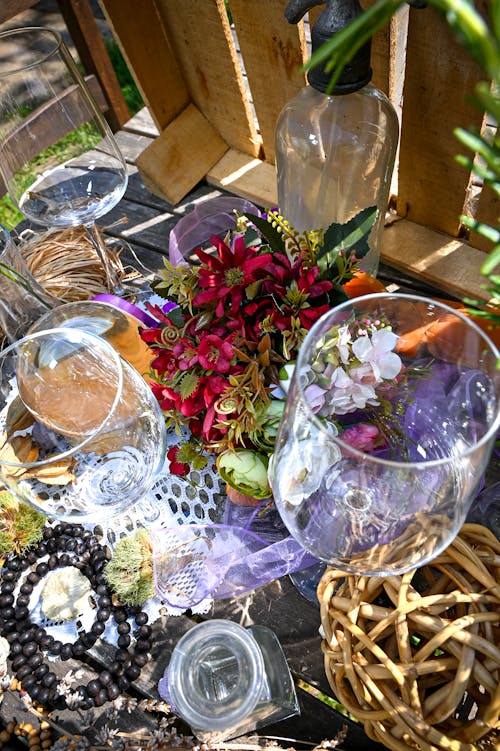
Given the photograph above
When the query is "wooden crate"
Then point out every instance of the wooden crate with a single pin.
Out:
(215, 90)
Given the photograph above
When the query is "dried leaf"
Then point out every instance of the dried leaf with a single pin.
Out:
(56, 473)
(18, 417)
(18, 451)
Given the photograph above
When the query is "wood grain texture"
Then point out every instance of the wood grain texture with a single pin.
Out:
(82, 26)
(273, 66)
(10, 8)
(182, 155)
(139, 29)
(438, 259)
(488, 212)
(439, 75)
(247, 177)
(203, 45)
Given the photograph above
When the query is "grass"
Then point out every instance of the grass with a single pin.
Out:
(10, 216)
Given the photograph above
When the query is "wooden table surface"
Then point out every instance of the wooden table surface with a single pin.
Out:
(279, 606)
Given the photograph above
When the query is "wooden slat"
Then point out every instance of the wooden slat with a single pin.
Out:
(11, 8)
(91, 49)
(488, 212)
(439, 74)
(182, 155)
(140, 31)
(201, 37)
(280, 49)
(438, 259)
(244, 176)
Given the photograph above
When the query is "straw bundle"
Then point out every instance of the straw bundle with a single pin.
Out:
(66, 263)
(416, 657)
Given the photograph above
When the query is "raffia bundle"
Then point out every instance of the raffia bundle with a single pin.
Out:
(66, 263)
(416, 657)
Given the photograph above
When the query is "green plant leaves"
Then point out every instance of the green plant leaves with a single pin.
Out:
(351, 236)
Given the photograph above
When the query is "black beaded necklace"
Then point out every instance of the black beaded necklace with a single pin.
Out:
(68, 545)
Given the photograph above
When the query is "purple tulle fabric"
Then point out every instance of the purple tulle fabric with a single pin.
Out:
(212, 217)
(192, 562)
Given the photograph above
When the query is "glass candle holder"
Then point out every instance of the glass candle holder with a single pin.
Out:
(225, 680)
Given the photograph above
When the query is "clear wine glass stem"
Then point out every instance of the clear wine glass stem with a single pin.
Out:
(106, 256)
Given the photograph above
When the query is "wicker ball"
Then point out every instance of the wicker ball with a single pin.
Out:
(416, 657)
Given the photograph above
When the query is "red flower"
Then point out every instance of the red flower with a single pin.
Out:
(176, 468)
(215, 353)
(226, 277)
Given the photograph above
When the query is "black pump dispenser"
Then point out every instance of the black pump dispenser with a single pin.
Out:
(336, 16)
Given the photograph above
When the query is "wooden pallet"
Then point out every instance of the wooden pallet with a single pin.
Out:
(215, 91)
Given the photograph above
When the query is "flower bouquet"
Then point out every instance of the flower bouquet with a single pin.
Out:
(227, 338)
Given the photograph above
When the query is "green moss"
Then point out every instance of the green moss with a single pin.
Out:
(130, 571)
(20, 525)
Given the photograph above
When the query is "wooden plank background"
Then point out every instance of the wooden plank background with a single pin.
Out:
(273, 53)
(204, 48)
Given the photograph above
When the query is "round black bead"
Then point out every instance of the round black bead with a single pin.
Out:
(64, 559)
(35, 660)
(6, 600)
(120, 615)
(41, 671)
(113, 691)
(52, 546)
(18, 662)
(23, 671)
(141, 618)
(9, 576)
(29, 649)
(124, 627)
(26, 588)
(102, 589)
(8, 613)
(15, 649)
(140, 659)
(41, 550)
(104, 601)
(105, 677)
(101, 698)
(66, 652)
(103, 614)
(93, 687)
(33, 578)
(48, 532)
(78, 648)
(98, 628)
(42, 569)
(133, 672)
(21, 613)
(123, 683)
(123, 641)
(28, 681)
(13, 635)
(143, 645)
(7, 587)
(49, 679)
(56, 647)
(23, 600)
(46, 641)
(13, 564)
(43, 696)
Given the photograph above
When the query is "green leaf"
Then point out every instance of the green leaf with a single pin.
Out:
(251, 238)
(270, 233)
(353, 235)
(492, 261)
(175, 315)
(188, 384)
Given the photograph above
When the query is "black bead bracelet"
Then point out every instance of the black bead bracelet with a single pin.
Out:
(68, 545)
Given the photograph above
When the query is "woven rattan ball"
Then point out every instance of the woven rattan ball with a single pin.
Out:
(416, 657)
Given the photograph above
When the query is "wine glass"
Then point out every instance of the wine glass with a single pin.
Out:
(82, 437)
(58, 157)
(390, 421)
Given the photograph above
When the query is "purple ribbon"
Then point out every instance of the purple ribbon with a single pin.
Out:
(127, 307)
(209, 218)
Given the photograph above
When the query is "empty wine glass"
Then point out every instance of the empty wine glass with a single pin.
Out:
(390, 420)
(82, 437)
(58, 157)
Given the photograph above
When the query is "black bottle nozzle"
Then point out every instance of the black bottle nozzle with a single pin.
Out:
(337, 14)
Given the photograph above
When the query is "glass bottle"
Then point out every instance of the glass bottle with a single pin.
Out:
(225, 680)
(335, 152)
(22, 299)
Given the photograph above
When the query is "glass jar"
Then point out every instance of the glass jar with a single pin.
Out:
(225, 680)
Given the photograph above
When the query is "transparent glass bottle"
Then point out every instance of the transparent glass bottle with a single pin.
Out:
(225, 680)
(335, 152)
